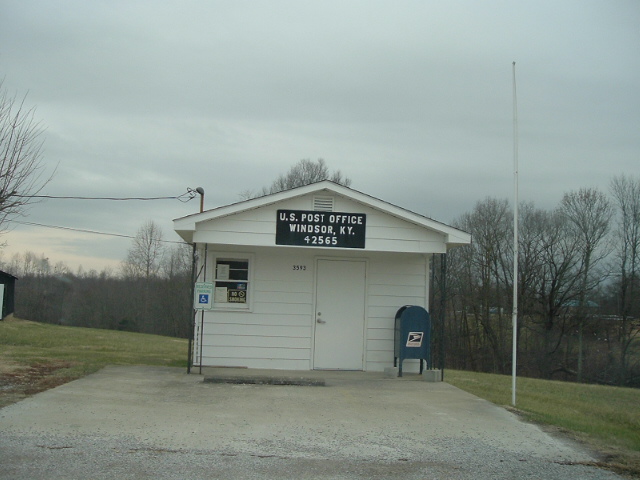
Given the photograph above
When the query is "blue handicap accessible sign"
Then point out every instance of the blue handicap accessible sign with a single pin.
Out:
(203, 297)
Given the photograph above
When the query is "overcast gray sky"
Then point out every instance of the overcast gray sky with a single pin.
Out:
(410, 99)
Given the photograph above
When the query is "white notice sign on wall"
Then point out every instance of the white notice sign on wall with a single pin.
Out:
(221, 295)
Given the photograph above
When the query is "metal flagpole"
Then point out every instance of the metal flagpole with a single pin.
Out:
(514, 317)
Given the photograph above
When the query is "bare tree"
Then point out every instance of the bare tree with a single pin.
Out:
(480, 279)
(626, 192)
(588, 212)
(485, 290)
(174, 291)
(555, 287)
(21, 169)
(145, 256)
(141, 269)
(177, 261)
(304, 172)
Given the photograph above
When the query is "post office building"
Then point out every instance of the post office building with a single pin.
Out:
(309, 278)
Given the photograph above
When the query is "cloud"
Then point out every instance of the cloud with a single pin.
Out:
(412, 100)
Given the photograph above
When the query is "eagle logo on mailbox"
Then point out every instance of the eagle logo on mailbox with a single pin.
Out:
(415, 339)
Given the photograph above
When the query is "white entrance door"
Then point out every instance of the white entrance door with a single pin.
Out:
(339, 327)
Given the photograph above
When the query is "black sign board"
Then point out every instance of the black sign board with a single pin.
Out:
(320, 229)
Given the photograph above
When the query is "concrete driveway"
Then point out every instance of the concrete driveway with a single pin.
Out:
(160, 423)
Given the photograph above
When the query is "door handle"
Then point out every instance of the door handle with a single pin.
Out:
(319, 320)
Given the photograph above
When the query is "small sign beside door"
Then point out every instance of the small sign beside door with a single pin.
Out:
(203, 296)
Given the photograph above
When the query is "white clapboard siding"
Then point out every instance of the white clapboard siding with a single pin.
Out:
(388, 233)
(380, 245)
(396, 290)
(385, 334)
(397, 266)
(257, 227)
(286, 331)
(382, 321)
(248, 319)
(220, 341)
(300, 285)
(384, 314)
(385, 345)
(278, 328)
(275, 297)
(279, 308)
(396, 301)
(393, 282)
(262, 353)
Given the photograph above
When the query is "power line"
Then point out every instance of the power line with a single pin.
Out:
(185, 197)
(87, 231)
(55, 197)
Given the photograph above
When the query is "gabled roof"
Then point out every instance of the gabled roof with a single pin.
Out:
(186, 226)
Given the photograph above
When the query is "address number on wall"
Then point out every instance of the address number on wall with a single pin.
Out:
(299, 267)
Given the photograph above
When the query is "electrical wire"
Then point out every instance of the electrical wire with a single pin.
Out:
(88, 231)
(55, 197)
(185, 197)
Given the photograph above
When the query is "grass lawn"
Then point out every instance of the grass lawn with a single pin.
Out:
(36, 356)
(605, 418)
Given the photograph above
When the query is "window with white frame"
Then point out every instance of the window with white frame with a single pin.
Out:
(231, 282)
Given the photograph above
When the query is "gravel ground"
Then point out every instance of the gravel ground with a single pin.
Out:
(149, 422)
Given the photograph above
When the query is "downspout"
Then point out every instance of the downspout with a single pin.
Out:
(192, 322)
(202, 311)
(428, 298)
(443, 303)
